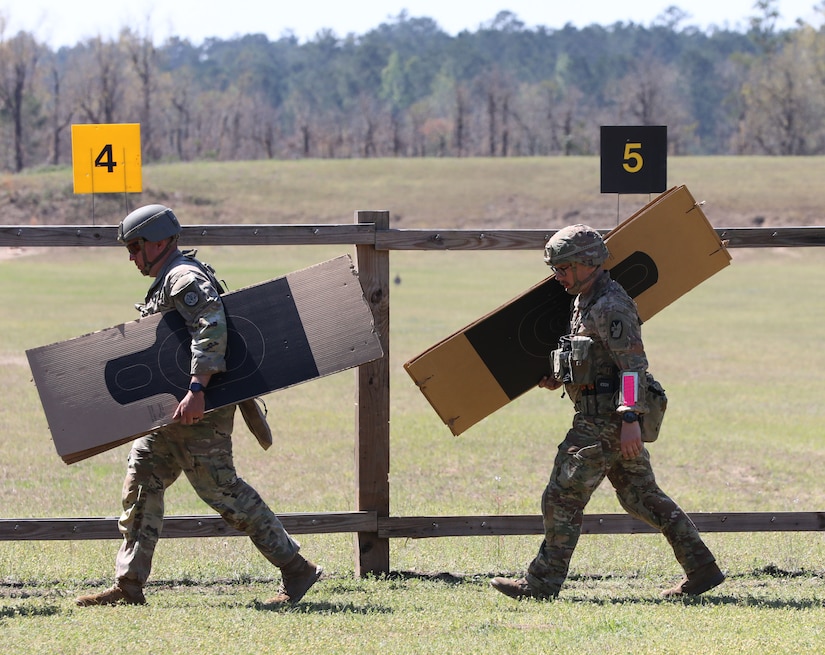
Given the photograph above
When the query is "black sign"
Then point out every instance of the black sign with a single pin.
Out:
(634, 158)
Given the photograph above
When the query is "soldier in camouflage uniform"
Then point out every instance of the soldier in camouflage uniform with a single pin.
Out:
(603, 367)
(196, 444)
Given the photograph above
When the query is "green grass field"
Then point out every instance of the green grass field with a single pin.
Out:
(741, 359)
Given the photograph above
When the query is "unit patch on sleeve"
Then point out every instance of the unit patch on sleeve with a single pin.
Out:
(191, 298)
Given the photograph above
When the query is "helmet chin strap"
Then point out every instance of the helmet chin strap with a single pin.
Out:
(577, 285)
(147, 265)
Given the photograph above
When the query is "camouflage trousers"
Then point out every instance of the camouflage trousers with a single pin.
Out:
(589, 453)
(203, 452)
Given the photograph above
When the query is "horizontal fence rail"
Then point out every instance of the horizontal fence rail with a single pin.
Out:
(466, 526)
(64, 529)
(406, 527)
(34, 236)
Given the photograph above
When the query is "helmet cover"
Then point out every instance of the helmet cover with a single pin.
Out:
(150, 223)
(576, 244)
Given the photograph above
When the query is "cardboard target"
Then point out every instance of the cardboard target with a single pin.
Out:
(103, 389)
(657, 255)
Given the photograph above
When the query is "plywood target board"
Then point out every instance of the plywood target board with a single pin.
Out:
(658, 254)
(103, 389)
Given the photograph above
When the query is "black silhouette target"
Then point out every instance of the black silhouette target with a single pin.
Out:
(245, 352)
(267, 349)
(636, 273)
(540, 329)
(515, 342)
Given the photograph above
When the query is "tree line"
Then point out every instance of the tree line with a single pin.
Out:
(408, 89)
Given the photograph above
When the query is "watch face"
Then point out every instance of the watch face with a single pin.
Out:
(630, 417)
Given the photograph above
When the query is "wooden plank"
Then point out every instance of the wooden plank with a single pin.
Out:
(63, 529)
(35, 236)
(372, 421)
(768, 237)
(418, 527)
(40, 236)
(534, 239)
(406, 527)
(278, 235)
(422, 527)
(525, 239)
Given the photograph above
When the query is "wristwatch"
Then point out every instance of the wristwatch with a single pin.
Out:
(630, 417)
(195, 387)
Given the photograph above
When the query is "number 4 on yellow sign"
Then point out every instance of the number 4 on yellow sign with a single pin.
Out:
(106, 158)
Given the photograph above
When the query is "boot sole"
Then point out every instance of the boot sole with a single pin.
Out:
(319, 571)
(710, 584)
(277, 600)
(515, 593)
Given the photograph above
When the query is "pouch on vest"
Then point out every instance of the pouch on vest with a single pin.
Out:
(255, 419)
(582, 370)
(651, 421)
(559, 364)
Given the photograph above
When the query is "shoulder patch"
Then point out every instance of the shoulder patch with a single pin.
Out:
(616, 328)
(191, 298)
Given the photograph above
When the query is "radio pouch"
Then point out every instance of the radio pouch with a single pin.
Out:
(570, 363)
(255, 419)
(651, 422)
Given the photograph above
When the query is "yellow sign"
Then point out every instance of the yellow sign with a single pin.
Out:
(106, 158)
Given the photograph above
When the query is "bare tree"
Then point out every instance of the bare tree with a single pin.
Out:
(103, 81)
(784, 100)
(181, 119)
(18, 62)
(460, 119)
(496, 89)
(265, 131)
(143, 56)
(61, 118)
(651, 94)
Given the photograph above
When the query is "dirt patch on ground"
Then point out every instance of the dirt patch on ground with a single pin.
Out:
(16, 253)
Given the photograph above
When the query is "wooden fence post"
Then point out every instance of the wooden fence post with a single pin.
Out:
(372, 420)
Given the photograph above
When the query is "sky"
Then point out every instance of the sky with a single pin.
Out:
(67, 22)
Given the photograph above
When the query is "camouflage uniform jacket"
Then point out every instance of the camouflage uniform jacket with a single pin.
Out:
(608, 315)
(185, 285)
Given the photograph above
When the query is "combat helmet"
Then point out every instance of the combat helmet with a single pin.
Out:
(149, 223)
(576, 243)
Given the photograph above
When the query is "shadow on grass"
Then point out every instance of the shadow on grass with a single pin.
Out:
(708, 598)
(18, 611)
(397, 580)
(324, 607)
(712, 597)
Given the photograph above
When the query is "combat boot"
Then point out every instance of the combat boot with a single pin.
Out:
(297, 576)
(120, 593)
(698, 582)
(517, 589)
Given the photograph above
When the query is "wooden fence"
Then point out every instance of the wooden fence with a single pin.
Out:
(371, 521)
